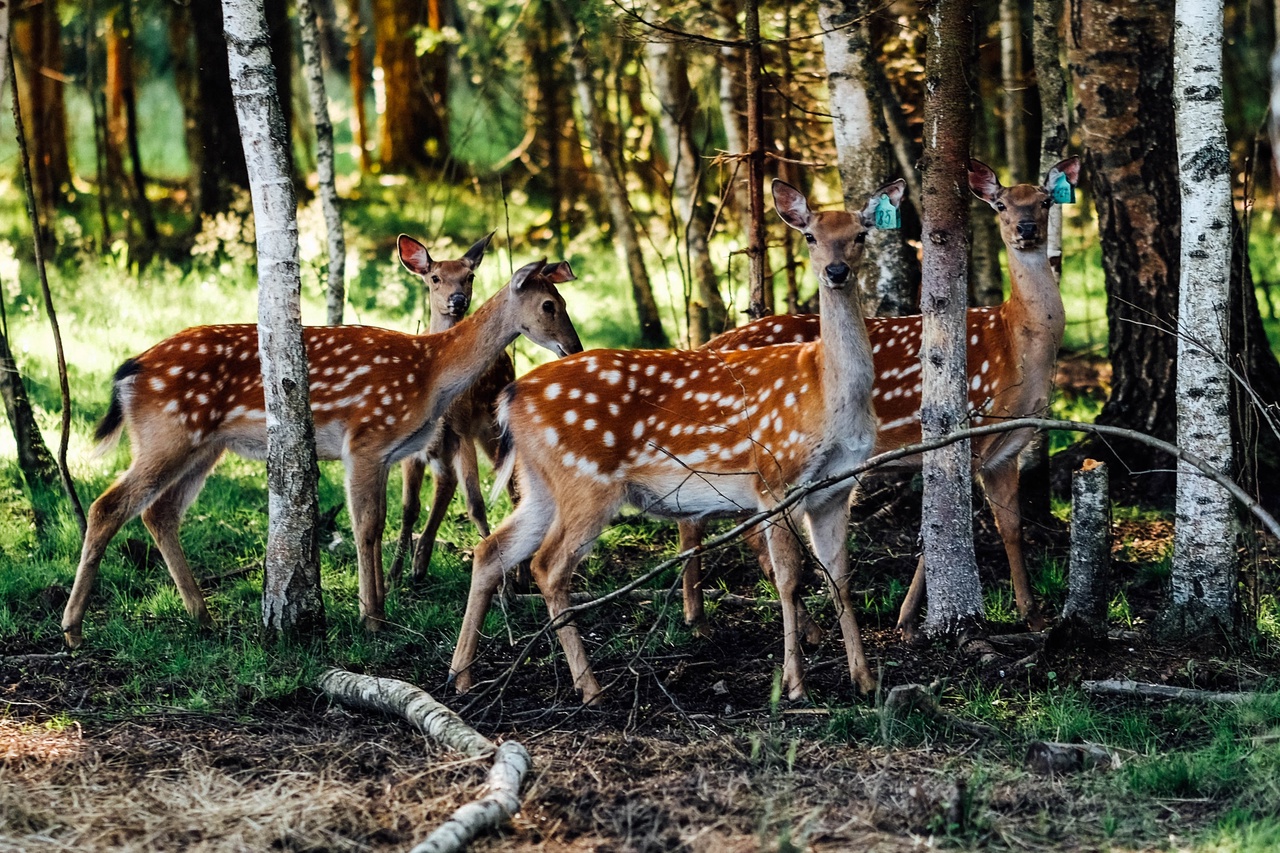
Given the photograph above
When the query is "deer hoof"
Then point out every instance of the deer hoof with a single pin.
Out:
(72, 637)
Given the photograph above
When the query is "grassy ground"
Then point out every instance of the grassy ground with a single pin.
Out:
(168, 737)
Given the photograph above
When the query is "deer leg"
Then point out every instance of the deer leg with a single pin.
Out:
(695, 616)
(367, 505)
(1002, 490)
(810, 633)
(784, 554)
(466, 466)
(567, 542)
(124, 499)
(909, 613)
(443, 484)
(163, 518)
(828, 531)
(412, 469)
(512, 543)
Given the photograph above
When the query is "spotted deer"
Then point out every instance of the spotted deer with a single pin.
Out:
(468, 422)
(377, 396)
(1012, 349)
(690, 435)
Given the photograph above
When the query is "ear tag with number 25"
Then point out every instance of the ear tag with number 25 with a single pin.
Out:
(887, 216)
(1063, 191)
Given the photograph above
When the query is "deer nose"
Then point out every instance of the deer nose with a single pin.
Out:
(1027, 230)
(458, 303)
(838, 273)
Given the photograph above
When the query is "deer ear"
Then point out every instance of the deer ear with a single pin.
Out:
(792, 205)
(522, 276)
(1069, 167)
(413, 255)
(559, 272)
(983, 181)
(892, 194)
(475, 254)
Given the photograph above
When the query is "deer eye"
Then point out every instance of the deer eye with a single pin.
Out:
(435, 279)
(809, 238)
(861, 238)
(1000, 206)
(549, 307)
(1048, 202)
(471, 278)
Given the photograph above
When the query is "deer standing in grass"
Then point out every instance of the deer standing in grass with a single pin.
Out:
(469, 420)
(1012, 350)
(377, 396)
(692, 435)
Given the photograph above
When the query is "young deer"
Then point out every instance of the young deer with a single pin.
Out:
(693, 435)
(469, 420)
(1012, 349)
(377, 396)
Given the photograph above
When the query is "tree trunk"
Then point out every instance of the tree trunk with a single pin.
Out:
(1119, 53)
(1013, 101)
(733, 103)
(1055, 132)
(128, 128)
(220, 156)
(311, 55)
(359, 75)
(761, 300)
(291, 599)
(951, 572)
(187, 81)
(620, 213)
(1205, 567)
(37, 29)
(678, 105)
(415, 130)
(986, 280)
(888, 277)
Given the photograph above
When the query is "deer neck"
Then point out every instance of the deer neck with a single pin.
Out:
(441, 322)
(847, 368)
(1035, 320)
(464, 351)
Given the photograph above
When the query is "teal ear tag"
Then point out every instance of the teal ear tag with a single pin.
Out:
(887, 216)
(1063, 191)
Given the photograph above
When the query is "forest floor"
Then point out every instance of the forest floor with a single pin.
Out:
(689, 752)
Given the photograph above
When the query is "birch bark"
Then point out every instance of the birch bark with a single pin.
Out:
(1204, 545)
(291, 585)
(866, 159)
(951, 572)
(335, 291)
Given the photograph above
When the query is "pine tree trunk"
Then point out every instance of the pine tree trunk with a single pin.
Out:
(359, 75)
(888, 277)
(311, 55)
(220, 156)
(620, 213)
(669, 73)
(986, 280)
(37, 30)
(951, 572)
(1205, 567)
(414, 133)
(1119, 53)
(291, 586)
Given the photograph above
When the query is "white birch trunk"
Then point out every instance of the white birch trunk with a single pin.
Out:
(865, 157)
(951, 570)
(335, 292)
(1204, 549)
(1046, 47)
(291, 585)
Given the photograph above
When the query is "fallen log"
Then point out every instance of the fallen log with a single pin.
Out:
(1143, 690)
(511, 762)
(1053, 759)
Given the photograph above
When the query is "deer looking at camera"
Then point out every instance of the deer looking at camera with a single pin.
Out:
(468, 422)
(377, 396)
(690, 435)
(1012, 350)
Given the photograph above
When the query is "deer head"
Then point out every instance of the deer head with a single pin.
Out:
(448, 283)
(1023, 210)
(835, 237)
(540, 309)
